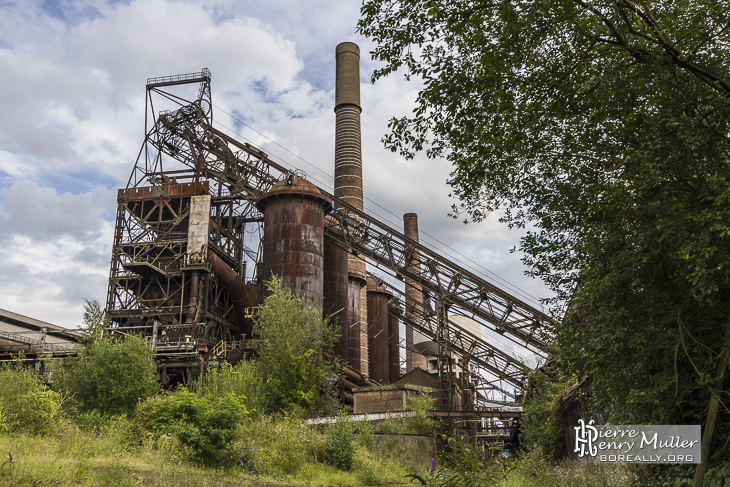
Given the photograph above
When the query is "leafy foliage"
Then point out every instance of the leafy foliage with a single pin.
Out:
(206, 424)
(95, 320)
(243, 379)
(339, 449)
(602, 129)
(294, 354)
(26, 404)
(109, 375)
(542, 426)
(461, 464)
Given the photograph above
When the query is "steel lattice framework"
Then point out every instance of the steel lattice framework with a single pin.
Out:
(183, 154)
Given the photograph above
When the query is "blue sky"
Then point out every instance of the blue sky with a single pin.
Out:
(73, 120)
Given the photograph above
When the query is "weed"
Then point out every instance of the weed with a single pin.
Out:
(340, 443)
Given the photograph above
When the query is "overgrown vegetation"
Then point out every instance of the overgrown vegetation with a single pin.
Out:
(109, 375)
(205, 424)
(293, 355)
(25, 403)
(419, 423)
(602, 129)
(541, 427)
(106, 422)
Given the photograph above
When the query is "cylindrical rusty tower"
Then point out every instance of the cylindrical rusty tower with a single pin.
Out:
(335, 294)
(393, 348)
(348, 175)
(414, 294)
(378, 298)
(293, 244)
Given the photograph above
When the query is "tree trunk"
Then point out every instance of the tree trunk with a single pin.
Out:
(714, 407)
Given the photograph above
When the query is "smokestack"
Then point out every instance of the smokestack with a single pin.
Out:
(414, 293)
(348, 175)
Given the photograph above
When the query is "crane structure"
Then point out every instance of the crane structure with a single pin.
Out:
(186, 268)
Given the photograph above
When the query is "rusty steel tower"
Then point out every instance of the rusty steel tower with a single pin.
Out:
(204, 219)
(187, 231)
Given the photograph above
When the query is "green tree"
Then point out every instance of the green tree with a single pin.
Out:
(293, 349)
(109, 375)
(95, 320)
(602, 128)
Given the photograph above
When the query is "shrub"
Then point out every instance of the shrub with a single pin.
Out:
(420, 423)
(242, 380)
(294, 354)
(279, 445)
(339, 449)
(718, 476)
(392, 426)
(25, 402)
(109, 376)
(461, 464)
(206, 424)
(542, 422)
(366, 434)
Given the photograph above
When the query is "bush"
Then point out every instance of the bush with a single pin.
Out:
(109, 376)
(339, 449)
(25, 403)
(420, 423)
(542, 422)
(242, 380)
(461, 464)
(206, 424)
(366, 434)
(294, 355)
(718, 476)
(279, 445)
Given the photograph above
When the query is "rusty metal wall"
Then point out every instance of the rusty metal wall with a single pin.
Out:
(378, 332)
(293, 243)
(393, 349)
(335, 294)
(414, 294)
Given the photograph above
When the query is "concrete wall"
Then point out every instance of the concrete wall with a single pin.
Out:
(420, 449)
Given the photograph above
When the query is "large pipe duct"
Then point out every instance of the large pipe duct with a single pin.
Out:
(348, 176)
(414, 293)
(193, 305)
(236, 289)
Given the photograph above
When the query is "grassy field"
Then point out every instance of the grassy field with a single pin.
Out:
(274, 451)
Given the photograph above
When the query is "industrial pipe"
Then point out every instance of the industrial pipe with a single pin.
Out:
(359, 377)
(236, 289)
(193, 305)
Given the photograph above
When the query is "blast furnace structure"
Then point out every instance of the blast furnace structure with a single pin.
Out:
(205, 219)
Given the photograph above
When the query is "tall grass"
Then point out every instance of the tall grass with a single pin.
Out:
(270, 449)
(533, 470)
